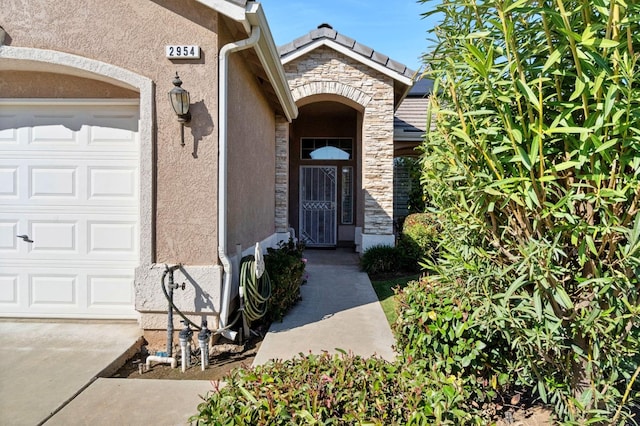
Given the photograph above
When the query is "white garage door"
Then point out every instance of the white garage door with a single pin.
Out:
(68, 184)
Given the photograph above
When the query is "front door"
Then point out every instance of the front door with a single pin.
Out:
(318, 201)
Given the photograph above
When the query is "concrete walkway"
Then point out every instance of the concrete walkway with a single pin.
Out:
(50, 371)
(339, 310)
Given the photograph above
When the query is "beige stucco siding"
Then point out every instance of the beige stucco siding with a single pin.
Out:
(251, 204)
(49, 85)
(131, 34)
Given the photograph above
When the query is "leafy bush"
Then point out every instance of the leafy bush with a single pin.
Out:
(418, 240)
(380, 259)
(442, 325)
(417, 195)
(337, 390)
(285, 266)
(534, 167)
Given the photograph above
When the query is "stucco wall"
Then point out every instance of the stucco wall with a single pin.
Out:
(326, 71)
(182, 181)
(251, 205)
(49, 85)
(132, 34)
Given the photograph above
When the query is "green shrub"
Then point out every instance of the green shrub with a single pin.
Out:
(380, 259)
(285, 266)
(419, 239)
(337, 390)
(441, 325)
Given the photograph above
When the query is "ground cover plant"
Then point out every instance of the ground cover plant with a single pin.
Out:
(338, 390)
(533, 171)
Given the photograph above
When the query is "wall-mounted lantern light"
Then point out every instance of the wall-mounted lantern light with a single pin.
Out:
(179, 98)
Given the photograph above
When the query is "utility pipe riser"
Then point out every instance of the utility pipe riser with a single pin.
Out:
(183, 355)
(204, 354)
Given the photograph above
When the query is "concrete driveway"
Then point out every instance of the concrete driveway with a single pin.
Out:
(46, 364)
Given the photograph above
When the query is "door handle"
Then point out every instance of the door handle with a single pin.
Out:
(25, 238)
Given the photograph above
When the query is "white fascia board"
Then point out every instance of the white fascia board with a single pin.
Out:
(351, 54)
(231, 10)
(270, 59)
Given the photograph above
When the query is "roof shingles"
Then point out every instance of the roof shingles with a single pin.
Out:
(325, 31)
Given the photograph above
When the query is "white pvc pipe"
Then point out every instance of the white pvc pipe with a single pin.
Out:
(162, 360)
(223, 70)
(183, 354)
(204, 354)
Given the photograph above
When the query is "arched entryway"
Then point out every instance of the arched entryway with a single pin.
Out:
(325, 172)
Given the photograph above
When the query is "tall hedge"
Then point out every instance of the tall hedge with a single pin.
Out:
(534, 167)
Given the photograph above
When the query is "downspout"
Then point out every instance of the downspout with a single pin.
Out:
(223, 69)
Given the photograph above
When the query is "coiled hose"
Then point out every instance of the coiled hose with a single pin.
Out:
(257, 291)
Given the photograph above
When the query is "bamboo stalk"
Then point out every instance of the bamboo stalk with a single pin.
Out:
(576, 57)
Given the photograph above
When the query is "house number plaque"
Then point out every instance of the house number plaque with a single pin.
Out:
(182, 51)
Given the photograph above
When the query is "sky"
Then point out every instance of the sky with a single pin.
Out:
(391, 27)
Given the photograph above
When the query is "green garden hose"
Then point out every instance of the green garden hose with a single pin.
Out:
(256, 291)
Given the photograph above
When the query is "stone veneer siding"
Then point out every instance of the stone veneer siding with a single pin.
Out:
(282, 175)
(325, 71)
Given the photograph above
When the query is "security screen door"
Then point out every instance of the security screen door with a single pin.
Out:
(318, 192)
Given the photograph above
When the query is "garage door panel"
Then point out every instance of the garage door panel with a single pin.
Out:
(8, 237)
(110, 183)
(8, 182)
(9, 290)
(8, 129)
(110, 291)
(51, 238)
(94, 128)
(69, 179)
(113, 238)
(54, 289)
(61, 292)
(59, 182)
(72, 238)
(118, 129)
(61, 131)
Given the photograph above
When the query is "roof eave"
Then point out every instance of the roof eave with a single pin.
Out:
(270, 59)
(253, 15)
(231, 10)
(400, 136)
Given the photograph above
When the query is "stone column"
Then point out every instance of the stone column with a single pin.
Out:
(377, 169)
(282, 178)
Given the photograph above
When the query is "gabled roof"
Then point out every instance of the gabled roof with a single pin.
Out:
(325, 35)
